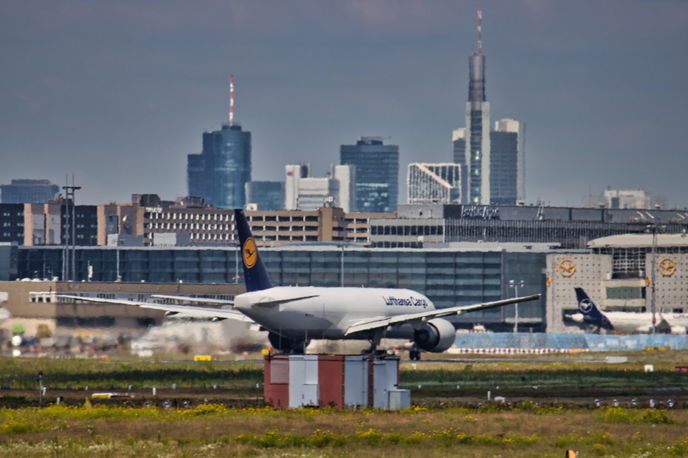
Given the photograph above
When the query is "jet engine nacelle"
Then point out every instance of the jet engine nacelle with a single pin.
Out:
(285, 344)
(435, 335)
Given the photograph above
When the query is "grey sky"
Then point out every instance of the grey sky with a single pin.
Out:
(119, 92)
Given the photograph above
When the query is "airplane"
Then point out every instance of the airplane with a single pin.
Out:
(625, 322)
(294, 315)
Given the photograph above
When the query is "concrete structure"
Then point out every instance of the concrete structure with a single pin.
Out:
(149, 217)
(507, 162)
(423, 225)
(627, 198)
(150, 221)
(339, 381)
(24, 191)
(265, 195)
(434, 183)
(305, 192)
(325, 224)
(46, 224)
(617, 275)
(376, 174)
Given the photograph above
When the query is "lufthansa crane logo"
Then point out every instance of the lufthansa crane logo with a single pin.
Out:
(567, 268)
(666, 267)
(249, 253)
(585, 306)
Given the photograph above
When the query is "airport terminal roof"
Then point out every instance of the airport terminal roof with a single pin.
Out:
(639, 241)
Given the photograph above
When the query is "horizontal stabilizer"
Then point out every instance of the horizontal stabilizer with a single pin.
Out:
(187, 310)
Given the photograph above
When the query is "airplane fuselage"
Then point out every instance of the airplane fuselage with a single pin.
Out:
(325, 313)
(639, 322)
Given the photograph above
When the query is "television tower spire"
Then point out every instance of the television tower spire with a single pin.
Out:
(480, 33)
(231, 100)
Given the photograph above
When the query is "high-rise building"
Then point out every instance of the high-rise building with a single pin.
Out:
(265, 195)
(507, 162)
(476, 137)
(377, 173)
(220, 172)
(25, 191)
(305, 192)
(493, 162)
(434, 183)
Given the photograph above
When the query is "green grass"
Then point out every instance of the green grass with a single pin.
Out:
(214, 430)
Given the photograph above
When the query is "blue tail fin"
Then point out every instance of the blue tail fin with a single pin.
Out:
(255, 273)
(590, 311)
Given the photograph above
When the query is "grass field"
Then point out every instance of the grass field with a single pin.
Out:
(542, 425)
(213, 430)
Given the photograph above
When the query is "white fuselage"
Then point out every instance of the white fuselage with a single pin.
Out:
(641, 322)
(319, 312)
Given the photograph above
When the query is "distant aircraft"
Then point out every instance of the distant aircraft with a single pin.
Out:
(625, 322)
(295, 315)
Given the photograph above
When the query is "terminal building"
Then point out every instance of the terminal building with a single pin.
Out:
(616, 271)
(418, 226)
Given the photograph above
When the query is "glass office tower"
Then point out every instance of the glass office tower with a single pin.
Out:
(376, 171)
(220, 172)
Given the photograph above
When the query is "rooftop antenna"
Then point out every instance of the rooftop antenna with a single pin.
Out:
(231, 100)
(480, 33)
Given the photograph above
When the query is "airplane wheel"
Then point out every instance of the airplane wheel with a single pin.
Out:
(414, 355)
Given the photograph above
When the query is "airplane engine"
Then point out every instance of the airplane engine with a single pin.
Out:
(436, 335)
(285, 344)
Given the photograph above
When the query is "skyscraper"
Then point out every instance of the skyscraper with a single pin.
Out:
(507, 162)
(305, 192)
(493, 162)
(266, 195)
(220, 172)
(376, 173)
(477, 140)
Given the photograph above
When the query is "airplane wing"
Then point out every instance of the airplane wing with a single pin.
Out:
(383, 322)
(199, 300)
(188, 310)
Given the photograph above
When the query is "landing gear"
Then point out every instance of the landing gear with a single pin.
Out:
(414, 355)
(374, 342)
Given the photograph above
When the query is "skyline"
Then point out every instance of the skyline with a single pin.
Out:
(117, 92)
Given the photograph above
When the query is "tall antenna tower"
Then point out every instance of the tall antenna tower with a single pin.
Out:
(231, 100)
(480, 33)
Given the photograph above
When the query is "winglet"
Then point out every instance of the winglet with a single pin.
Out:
(255, 274)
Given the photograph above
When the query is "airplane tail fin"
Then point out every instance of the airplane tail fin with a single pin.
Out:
(255, 273)
(590, 311)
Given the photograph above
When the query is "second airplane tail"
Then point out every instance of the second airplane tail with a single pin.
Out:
(590, 311)
(255, 274)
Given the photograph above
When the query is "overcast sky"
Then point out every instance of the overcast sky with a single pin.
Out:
(120, 91)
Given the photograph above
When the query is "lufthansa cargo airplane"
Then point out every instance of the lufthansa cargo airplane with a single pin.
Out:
(626, 322)
(293, 316)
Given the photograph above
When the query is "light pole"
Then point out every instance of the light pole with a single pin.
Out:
(653, 227)
(341, 265)
(516, 284)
